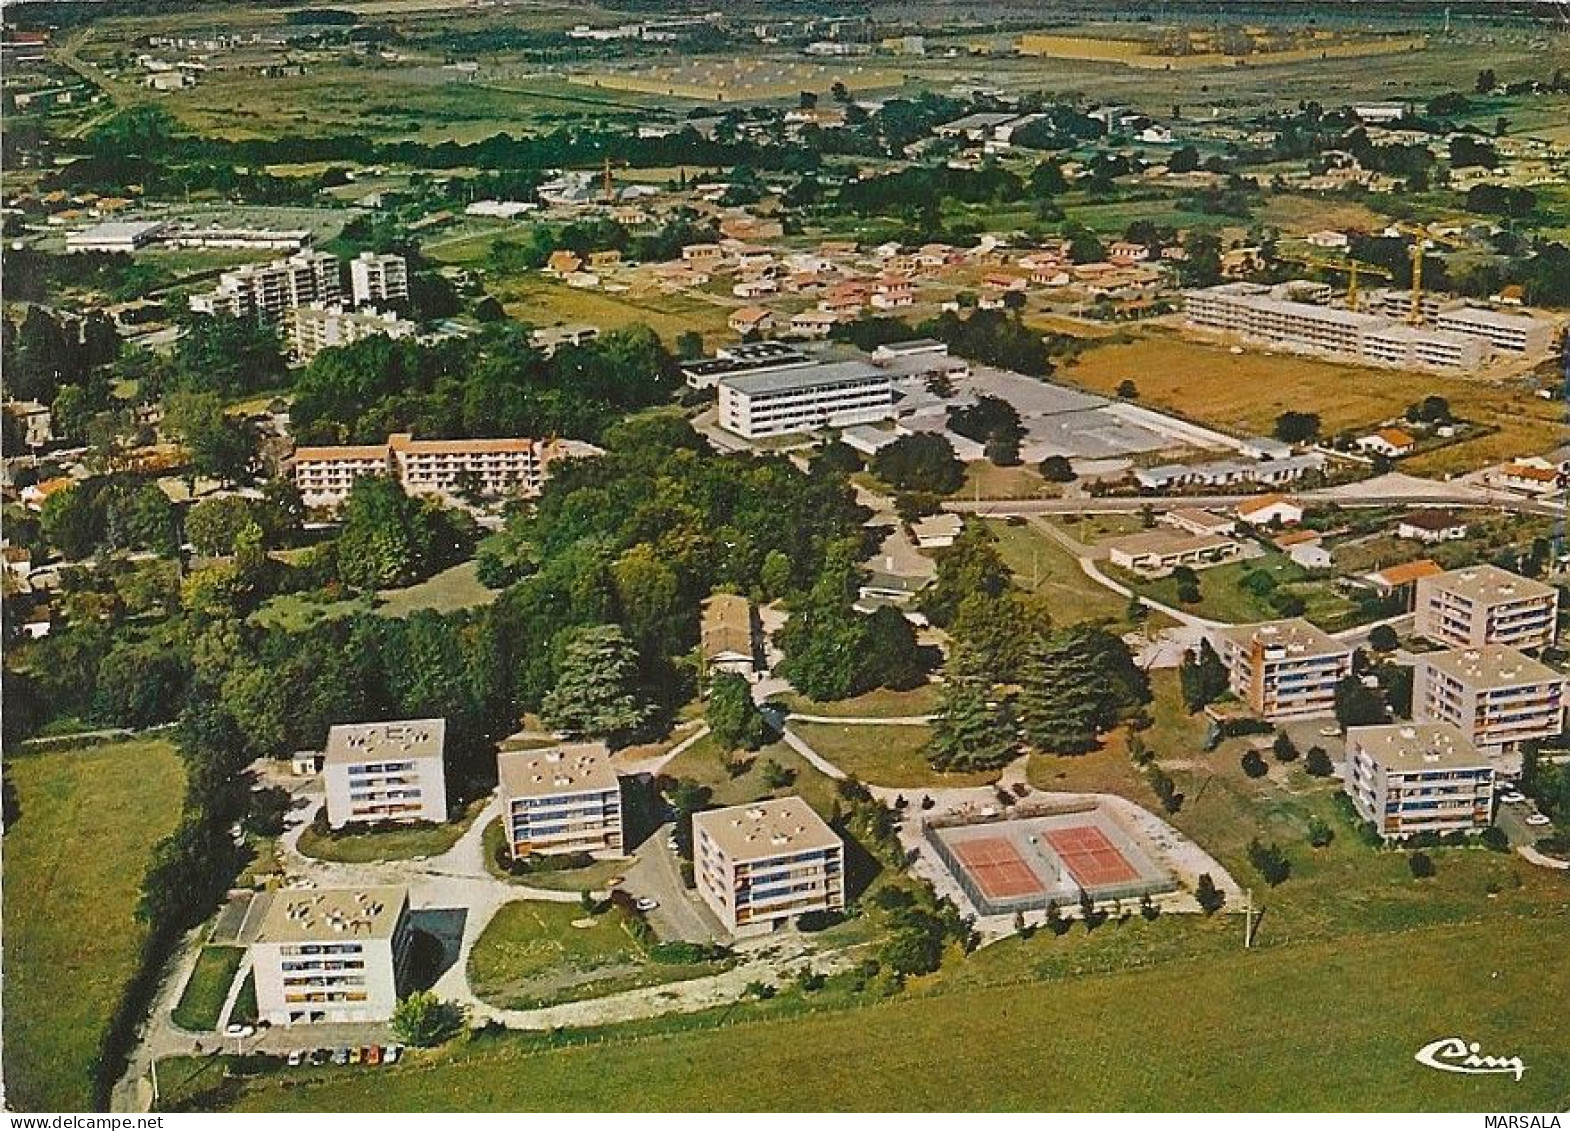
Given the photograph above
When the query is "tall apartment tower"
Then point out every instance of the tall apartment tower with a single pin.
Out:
(375, 279)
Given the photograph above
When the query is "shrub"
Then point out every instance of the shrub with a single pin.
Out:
(425, 1020)
(1318, 762)
(1209, 896)
(1421, 865)
(1320, 833)
(1269, 861)
(1253, 765)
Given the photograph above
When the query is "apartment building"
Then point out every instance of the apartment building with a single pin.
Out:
(805, 399)
(1286, 669)
(443, 468)
(316, 327)
(1508, 333)
(759, 865)
(375, 279)
(330, 955)
(391, 771)
(1270, 315)
(1498, 696)
(1418, 777)
(561, 799)
(270, 290)
(1478, 605)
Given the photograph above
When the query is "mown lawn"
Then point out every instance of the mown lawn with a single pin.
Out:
(75, 850)
(1223, 596)
(894, 756)
(1327, 1025)
(393, 844)
(738, 778)
(591, 877)
(202, 1001)
(447, 592)
(880, 704)
(535, 954)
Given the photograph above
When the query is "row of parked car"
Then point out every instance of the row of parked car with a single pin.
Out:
(346, 1054)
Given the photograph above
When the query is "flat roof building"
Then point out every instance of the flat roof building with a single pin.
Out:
(270, 290)
(1284, 669)
(761, 864)
(560, 799)
(495, 468)
(390, 771)
(1483, 604)
(375, 279)
(330, 955)
(1412, 778)
(116, 236)
(805, 398)
(1510, 333)
(1498, 696)
(1156, 553)
(315, 327)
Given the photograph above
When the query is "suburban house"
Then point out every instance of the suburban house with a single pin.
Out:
(937, 531)
(1431, 525)
(392, 771)
(1267, 509)
(1402, 578)
(1528, 478)
(1478, 605)
(1498, 696)
(563, 263)
(329, 956)
(750, 320)
(759, 865)
(1283, 669)
(560, 799)
(1411, 778)
(728, 636)
(1197, 520)
(1390, 442)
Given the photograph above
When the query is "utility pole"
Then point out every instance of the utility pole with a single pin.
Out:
(1248, 921)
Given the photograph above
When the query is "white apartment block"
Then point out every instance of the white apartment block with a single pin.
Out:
(378, 278)
(1418, 777)
(761, 864)
(1478, 605)
(1286, 669)
(441, 468)
(805, 399)
(1462, 339)
(392, 771)
(270, 290)
(330, 955)
(561, 799)
(316, 327)
(1499, 697)
(1509, 333)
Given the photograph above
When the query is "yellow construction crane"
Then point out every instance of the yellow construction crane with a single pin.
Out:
(1352, 268)
(1423, 238)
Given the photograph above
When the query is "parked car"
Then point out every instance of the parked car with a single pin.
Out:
(356, 1055)
(321, 1056)
(391, 1054)
(1537, 820)
(1329, 732)
(1512, 797)
(647, 903)
(373, 1055)
(340, 1055)
(238, 1030)
(296, 1057)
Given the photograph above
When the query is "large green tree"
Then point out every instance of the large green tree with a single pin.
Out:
(597, 692)
(972, 729)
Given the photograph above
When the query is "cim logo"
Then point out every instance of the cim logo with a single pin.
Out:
(1456, 1054)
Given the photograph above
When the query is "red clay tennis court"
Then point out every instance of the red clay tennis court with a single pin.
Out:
(1092, 859)
(997, 867)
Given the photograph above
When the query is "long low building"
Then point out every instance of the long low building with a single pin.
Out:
(805, 399)
(1229, 472)
(443, 468)
(1460, 339)
(1158, 552)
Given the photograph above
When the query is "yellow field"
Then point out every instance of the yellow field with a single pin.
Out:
(1246, 392)
(737, 80)
(1135, 53)
(1299, 215)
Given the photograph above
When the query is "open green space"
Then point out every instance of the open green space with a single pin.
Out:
(894, 756)
(1333, 1024)
(76, 846)
(201, 1002)
(590, 877)
(449, 591)
(534, 954)
(739, 777)
(1044, 567)
(1224, 597)
(882, 703)
(387, 844)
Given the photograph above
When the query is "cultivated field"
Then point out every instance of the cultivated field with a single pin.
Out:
(85, 823)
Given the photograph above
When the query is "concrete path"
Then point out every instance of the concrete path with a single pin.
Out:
(863, 720)
(1541, 860)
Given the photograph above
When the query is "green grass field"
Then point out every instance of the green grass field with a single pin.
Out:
(1042, 566)
(74, 855)
(534, 954)
(879, 704)
(394, 844)
(202, 1001)
(883, 755)
(447, 592)
(741, 780)
(1223, 596)
(1328, 1025)
(590, 877)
